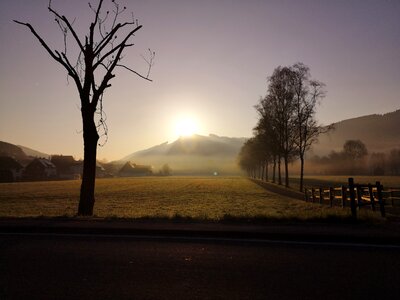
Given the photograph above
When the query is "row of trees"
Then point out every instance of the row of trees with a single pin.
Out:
(354, 159)
(287, 127)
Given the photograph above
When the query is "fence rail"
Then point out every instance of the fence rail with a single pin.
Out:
(354, 196)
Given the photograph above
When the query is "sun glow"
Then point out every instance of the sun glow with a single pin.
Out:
(186, 126)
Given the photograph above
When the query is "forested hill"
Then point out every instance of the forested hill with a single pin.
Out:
(195, 154)
(11, 150)
(197, 145)
(380, 133)
(20, 153)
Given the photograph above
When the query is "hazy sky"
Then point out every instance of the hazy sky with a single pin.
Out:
(213, 58)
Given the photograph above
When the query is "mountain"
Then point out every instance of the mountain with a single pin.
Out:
(20, 153)
(380, 133)
(11, 150)
(192, 155)
(204, 154)
(33, 153)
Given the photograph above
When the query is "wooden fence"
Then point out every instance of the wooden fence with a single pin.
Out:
(354, 196)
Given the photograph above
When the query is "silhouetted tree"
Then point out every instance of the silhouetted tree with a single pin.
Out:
(377, 163)
(248, 160)
(281, 101)
(307, 93)
(267, 135)
(355, 153)
(166, 170)
(354, 149)
(99, 54)
(287, 127)
(394, 161)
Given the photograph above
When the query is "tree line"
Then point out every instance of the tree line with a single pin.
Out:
(355, 159)
(286, 127)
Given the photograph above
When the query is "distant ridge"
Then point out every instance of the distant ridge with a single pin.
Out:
(380, 133)
(20, 153)
(193, 145)
(192, 154)
(11, 150)
(33, 153)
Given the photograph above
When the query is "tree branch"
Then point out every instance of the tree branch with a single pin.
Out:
(65, 20)
(55, 55)
(133, 71)
(104, 42)
(92, 26)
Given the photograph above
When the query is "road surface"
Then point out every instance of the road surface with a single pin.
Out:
(73, 266)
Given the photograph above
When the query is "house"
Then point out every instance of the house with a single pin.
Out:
(40, 169)
(132, 169)
(77, 169)
(100, 171)
(10, 169)
(65, 165)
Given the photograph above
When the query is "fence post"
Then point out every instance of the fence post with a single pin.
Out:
(321, 195)
(331, 195)
(371, 196)
(344, 195)
(379, 189)
(313, 195)
(392, 196)
(359, 196)
(352, 198)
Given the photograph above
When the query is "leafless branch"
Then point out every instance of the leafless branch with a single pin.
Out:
(68, 24)
(55, 55)
(109, 36)
(133, 71)
(120, 46)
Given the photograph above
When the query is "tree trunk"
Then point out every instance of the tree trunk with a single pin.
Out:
(286, 171)
(262, 171)
(263, 177)
(301, 172)
(279, 171)
(274, 170)
(90, 139)
(266, 171)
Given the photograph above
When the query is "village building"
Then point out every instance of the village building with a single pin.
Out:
(100, 171)
(40, 169)
(10, 169)
(132, 169)
(66, 167)
(77, 169)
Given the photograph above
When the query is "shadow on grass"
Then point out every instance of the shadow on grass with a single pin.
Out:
(279, 189)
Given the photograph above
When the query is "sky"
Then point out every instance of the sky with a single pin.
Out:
(212, 62)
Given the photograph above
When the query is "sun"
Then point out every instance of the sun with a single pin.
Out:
(186, 126)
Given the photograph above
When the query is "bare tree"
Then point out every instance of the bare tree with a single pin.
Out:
(281, 98)
(249, 158)
(355, 153)
(267, 135)
(307, 93)
(99, 54)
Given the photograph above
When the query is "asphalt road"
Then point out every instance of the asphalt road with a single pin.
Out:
(56, 266)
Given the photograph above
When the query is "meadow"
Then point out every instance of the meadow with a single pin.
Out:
(193, 198)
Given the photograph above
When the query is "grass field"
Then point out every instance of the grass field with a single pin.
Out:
(198, 198)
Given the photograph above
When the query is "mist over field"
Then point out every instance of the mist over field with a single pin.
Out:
(218, 155)
(196, 154)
